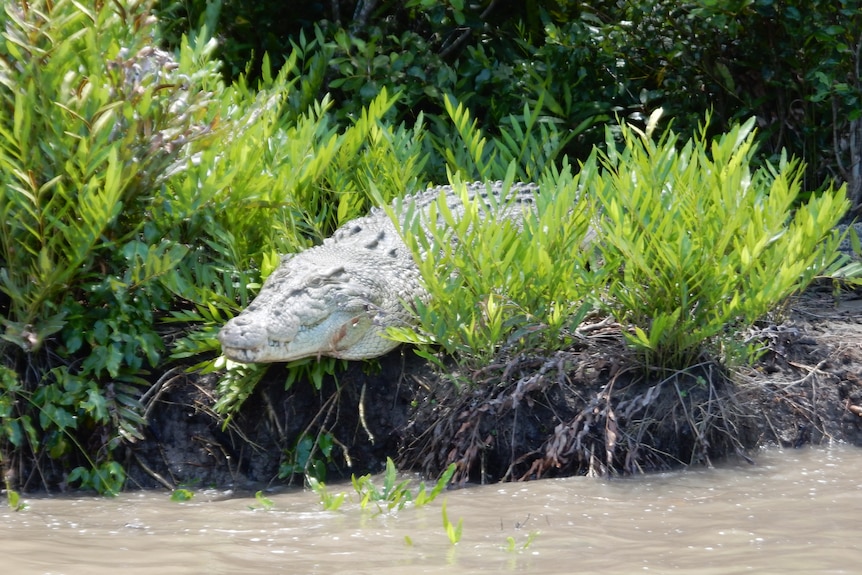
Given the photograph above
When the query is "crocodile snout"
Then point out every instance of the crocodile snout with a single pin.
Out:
(243, 339)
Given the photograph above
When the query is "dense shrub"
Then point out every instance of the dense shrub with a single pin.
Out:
(138, 188)
(695, 246)
(706, 244)
(492, 281)
(93, 119)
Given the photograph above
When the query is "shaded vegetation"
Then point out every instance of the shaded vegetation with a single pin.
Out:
(795, 65)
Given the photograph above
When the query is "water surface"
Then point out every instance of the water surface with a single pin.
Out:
(795, 511)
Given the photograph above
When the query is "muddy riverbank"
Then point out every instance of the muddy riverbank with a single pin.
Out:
(580, 412)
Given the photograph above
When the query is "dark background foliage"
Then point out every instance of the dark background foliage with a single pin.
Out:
(794, 64)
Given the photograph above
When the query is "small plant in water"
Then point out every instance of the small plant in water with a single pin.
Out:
(512, 544)
(13, 499)
(182, 494)
(265, 502)
(453, 531)
(424, 497)
(393, 495)
(397, 495)
(330, 501)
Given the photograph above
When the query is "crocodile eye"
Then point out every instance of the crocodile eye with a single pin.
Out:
(331, 276)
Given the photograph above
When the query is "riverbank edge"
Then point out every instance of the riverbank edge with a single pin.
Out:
(584, 411)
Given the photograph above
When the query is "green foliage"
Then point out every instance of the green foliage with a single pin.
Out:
(797, 65)
(330, 502)
(393, 496)
(142, 198)
(402, 63)
(250, 30)
(138, 189)
(794, 64)
(15, 427)
(424, 497)
(846, 268)
(527, 142)
(13, 499)
(265, 502)
(238, 380)
(694, 244)
(492, 283)
(181, 495)
(512, 545)
(236, 383)
(279, 184)
(92, 122)
(309, 457)
(453, 531)
(705, 245)
(106, 478)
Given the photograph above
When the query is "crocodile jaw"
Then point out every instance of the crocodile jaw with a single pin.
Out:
(309, 307)
(344, 335)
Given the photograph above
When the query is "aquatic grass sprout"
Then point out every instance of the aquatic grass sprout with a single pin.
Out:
(394, 495)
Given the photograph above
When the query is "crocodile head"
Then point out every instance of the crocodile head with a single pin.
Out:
(309, 308)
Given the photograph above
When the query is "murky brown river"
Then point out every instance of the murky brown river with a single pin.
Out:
(793, 512)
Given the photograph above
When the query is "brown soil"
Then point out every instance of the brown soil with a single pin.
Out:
(581, 411)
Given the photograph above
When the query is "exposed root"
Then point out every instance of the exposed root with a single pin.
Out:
(362, 413)
(584, 412)
(156, 476)
(551, 416)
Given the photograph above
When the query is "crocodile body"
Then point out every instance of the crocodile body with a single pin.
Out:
(337, 298)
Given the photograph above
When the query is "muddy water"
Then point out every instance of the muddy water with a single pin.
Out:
(794, 512)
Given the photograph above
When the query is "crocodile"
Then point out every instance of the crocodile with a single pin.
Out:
(336, 299)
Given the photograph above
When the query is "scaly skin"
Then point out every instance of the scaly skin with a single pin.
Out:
(336, 299)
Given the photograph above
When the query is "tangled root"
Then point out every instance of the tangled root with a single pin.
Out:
(578, 413)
